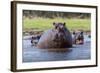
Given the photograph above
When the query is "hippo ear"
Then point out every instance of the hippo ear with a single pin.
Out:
(54, 23)
(64, 24)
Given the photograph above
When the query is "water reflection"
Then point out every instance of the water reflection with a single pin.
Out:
(77, 52)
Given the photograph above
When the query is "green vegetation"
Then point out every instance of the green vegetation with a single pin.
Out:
(46, 23)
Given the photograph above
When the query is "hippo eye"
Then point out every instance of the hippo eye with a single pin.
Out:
(81, 32)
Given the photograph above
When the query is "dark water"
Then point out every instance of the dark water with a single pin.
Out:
(77, 52)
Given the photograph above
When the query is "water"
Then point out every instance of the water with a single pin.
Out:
(77, 52)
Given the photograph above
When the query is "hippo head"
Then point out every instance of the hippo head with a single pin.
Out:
(60, 27)
(60, 30)
(78, 37)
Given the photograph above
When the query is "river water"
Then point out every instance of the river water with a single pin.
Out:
(77, 52)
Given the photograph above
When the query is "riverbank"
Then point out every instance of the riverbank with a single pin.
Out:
(47, 23)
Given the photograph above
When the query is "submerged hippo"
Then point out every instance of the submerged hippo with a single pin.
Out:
(78, 37)
(58, 37)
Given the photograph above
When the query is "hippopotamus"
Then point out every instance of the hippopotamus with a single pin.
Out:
(78, 37)
(35, 39)
(57, 37)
